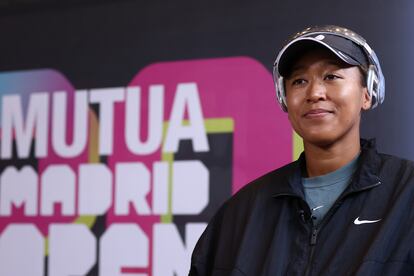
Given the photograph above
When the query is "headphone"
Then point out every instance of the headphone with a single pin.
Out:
(375, 81)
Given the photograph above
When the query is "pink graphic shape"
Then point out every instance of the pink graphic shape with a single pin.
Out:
(240, 88)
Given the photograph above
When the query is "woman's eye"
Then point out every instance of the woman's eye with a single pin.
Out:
(298, 81)
(331, 77)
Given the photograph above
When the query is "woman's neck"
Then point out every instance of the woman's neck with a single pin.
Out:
(321, 160)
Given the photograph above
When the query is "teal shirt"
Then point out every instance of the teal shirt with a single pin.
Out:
(322, 191)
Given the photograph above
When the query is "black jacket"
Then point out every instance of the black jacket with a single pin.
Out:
(265, 229)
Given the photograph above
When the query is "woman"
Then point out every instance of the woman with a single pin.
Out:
(342, 208)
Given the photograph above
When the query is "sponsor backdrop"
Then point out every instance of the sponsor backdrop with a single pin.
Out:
(125, 125)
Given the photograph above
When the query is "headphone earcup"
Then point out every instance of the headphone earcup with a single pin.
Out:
(282, 94)
(373, 86)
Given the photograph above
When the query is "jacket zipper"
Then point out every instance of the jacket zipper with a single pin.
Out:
(313, 238)
(315, 229)
(314, 234)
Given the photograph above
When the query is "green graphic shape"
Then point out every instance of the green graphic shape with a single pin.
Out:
(213, 125)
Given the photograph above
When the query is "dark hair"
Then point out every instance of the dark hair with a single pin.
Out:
(363, 73)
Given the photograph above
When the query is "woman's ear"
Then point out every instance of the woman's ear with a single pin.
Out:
(366, 99)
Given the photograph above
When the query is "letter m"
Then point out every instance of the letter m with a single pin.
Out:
(18, 188)
(35, 125)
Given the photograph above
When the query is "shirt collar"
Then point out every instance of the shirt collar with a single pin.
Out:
(365, 176)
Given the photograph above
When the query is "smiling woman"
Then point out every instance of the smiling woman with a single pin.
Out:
(313, 216)
(324, 101)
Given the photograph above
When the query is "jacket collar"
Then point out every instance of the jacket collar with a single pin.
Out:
(365, 176)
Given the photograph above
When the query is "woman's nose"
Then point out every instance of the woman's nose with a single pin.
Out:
(316, 91)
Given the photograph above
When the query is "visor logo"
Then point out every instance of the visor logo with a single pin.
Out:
(319, 37)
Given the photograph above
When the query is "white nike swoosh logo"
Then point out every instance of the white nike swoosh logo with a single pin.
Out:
(316, 208)
(358, 222)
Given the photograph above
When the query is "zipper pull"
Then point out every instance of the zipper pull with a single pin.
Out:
(314, 236)
(302, 215)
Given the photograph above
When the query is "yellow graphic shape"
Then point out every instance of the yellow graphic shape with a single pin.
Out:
(297, 145)
(93, 138)
(215, 125)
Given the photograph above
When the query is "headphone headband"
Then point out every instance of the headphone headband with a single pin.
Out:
(375, 79)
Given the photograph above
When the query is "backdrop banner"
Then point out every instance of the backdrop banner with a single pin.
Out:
(123, 179)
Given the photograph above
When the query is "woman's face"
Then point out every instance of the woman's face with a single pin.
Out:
(324, 98)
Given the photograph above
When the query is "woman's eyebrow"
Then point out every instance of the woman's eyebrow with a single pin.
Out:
(295, 71)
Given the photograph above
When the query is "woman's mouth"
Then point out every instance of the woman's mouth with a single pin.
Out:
(317, 113)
